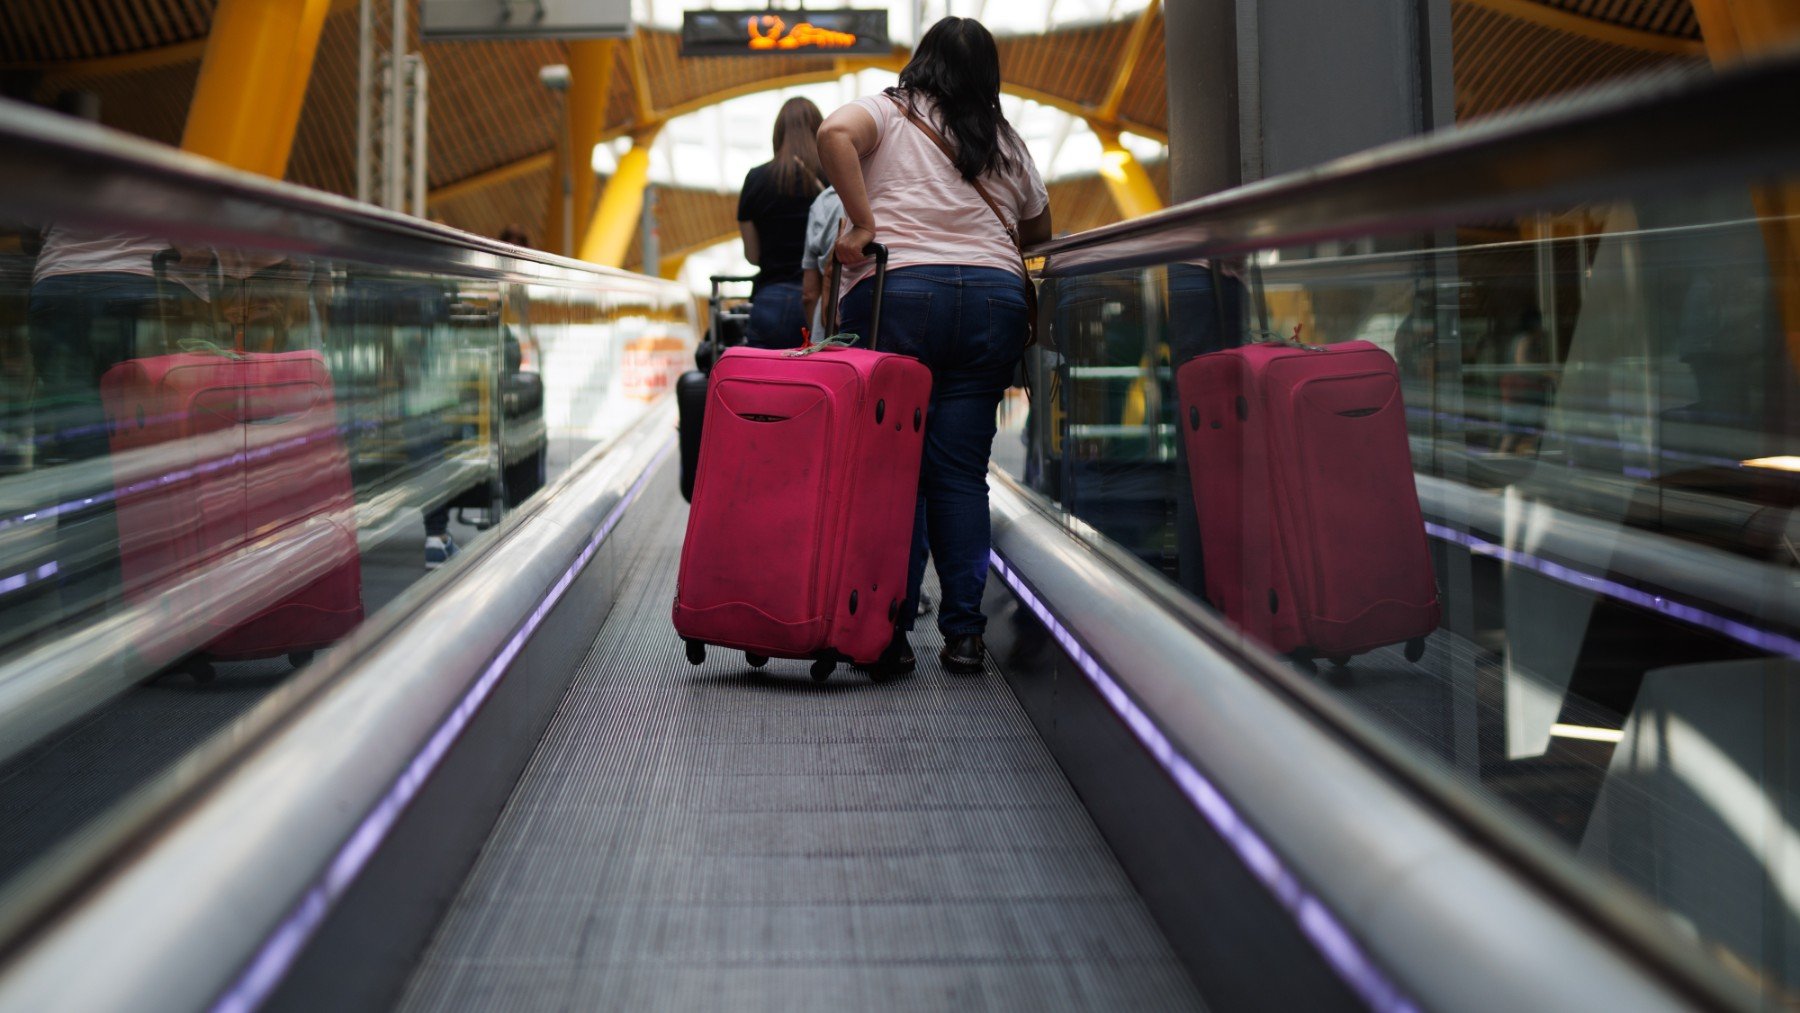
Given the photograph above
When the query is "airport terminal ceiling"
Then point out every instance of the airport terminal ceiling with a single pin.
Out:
(493, 127)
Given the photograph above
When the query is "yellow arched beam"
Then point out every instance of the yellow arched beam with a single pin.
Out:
(125, 63)
(252, 82)
(540, 162)
(1132, 191)
(1736, 30)
(621, 204)
(1592, 28)
(1108, 110)
(590, 78)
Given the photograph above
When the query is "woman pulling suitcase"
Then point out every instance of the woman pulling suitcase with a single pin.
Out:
(932, 170)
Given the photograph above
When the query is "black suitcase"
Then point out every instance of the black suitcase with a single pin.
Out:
(726, 326)
(690, 403)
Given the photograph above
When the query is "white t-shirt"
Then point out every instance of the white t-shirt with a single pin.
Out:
(925, 212)
(68, 252)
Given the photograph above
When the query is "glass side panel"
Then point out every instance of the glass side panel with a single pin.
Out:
(1592, 613)
(215, 463)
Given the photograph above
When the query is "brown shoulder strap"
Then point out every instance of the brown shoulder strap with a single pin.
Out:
(944, 146)
(1011, 232)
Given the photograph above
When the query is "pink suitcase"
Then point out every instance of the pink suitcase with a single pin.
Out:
(1309, 518)
(217, 455)
(801, 525)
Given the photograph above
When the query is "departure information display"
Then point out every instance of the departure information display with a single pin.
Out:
(784, 33)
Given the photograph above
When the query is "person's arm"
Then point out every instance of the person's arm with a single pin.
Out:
(1033, 231)
(752, 245)
(844, 138)
(811, 285)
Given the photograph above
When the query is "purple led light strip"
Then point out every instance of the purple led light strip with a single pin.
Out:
(284, 944)
(207, 467)
(1314, 919)
(1742, 632)
(19, 580)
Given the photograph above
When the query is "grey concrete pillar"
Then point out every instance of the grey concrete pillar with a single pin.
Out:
(1262, 87)
(1203, 96)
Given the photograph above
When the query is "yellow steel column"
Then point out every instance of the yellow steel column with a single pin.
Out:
(671, 266)
(1125, 177)
(616, 219)
(252, 83)
(590, 85)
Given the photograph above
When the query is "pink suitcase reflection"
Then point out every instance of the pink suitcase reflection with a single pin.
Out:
(1309, 518)
(218, 458)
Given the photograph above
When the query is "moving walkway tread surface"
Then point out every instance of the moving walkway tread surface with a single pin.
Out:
(711, 837)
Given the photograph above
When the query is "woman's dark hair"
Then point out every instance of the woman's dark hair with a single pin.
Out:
(796, 167)
(958, 65)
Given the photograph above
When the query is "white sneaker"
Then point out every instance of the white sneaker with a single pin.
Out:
(438, 550)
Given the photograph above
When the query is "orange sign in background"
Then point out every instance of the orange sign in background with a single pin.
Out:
(783, 33)
(768, 31)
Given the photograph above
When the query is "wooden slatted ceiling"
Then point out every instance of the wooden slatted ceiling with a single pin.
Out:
(1502, 62)
(151, 103)
(521, 201)
(1077, 64)
(42, 30)
(686, 219)
(1664, 17)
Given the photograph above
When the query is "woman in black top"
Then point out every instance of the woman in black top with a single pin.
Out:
(772, 217)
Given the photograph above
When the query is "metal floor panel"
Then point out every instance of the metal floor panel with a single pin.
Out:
(704, 838)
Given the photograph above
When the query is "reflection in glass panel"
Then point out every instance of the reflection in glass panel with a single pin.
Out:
(216, 462)
(1599, 412)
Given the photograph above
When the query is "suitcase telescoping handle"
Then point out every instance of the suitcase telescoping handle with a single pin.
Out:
(880, 253)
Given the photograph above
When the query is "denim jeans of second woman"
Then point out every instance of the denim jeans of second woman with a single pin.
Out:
(776, 316)
(968, 325)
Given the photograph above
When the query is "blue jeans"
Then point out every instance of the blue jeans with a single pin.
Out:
(776, 316)
(968, 325)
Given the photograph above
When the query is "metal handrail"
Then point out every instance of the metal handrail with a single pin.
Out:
(1667, 132)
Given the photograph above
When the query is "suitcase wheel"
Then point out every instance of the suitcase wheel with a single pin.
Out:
(696, 652)
(756, 660)
(1339, 660)
(299, 659)
(1415, 649)
(822, 669)
(200, 670)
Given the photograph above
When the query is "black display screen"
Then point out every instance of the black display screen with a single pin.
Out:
(783, 33)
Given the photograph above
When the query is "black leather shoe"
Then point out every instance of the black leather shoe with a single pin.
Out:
(963, 653)
(898, 659)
